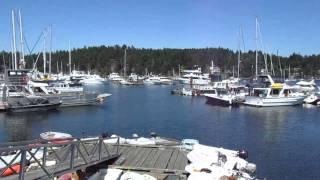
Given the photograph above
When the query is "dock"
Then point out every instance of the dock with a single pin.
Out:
(162, 162)
(52, 159)
(49, 160)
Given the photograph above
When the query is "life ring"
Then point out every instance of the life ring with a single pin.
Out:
(10, 171)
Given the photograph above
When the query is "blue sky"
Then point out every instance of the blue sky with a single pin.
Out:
(287, 25)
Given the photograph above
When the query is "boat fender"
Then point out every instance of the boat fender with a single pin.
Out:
(243, 154)
(251, 168)
(206, 170)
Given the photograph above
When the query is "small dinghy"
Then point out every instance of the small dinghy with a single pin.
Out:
(56, 137)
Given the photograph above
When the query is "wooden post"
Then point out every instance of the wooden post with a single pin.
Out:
(22, 164)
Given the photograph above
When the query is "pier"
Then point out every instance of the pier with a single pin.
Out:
(46, 160)
(159, 161)
(40, 159)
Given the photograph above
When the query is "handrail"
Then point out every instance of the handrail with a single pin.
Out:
(68, 155)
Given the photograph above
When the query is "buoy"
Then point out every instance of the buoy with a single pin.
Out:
(13, 170)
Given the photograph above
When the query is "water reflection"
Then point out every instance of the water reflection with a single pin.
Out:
(276, 138)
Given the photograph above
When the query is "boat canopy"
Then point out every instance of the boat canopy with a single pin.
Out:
(277, 86)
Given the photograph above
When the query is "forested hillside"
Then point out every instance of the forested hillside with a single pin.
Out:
(106, 59)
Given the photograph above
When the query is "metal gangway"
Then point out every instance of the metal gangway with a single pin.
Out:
(41, 159)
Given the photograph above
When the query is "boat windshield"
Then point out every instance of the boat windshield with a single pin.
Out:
(260, 92)
(222, 92)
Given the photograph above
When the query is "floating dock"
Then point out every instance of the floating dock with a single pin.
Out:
(161, 162)
(46, 160)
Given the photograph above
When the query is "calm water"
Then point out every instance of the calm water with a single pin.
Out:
(284, 142)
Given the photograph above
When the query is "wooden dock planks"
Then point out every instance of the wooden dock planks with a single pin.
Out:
(146, 158)
(164, 159)
(173, 159)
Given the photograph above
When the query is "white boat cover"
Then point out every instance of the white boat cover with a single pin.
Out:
(216, 172)
(141, 141)
(114, 139)
(136, 176)
(113, 174)
(54, 135)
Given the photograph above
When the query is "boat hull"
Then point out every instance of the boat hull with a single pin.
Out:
(32, 108)
(273, 102)
(215, 100)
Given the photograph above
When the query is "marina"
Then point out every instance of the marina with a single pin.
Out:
(159, 91)
(276, 129)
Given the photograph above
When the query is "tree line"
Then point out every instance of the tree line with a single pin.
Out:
(106, 59)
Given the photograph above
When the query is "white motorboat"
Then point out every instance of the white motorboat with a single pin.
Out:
(187, 92)
(64, 87)
(165, 80)
(56, 137)
(194, 77)
(92, 79)
(115, 77)
(275, 95)
(221, 97)
(125, 82)
(307, 86)
(313, 98)
(155, 80)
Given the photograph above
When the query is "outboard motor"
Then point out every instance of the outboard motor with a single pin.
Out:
(104, 135)
(251, 168)
(153, 134)
(243, 154)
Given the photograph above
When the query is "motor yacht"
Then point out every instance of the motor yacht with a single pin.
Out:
(114, 77)
(275, 95)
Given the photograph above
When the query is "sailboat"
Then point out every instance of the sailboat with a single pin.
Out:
(125, 81)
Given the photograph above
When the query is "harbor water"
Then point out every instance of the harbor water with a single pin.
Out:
(283, 141)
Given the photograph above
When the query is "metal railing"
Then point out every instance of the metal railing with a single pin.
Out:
(41, 159)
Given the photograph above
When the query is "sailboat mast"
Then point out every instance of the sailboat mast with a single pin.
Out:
(58, 67)
(239, 52)
(11, 64)
(125, 63)
(50, 52)
(61, 68)
(44, 56)
(22, 62)
(272, 69)
(70, 66)
(289, 76)
(279, 63)
(14, 41)
(256, 47)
